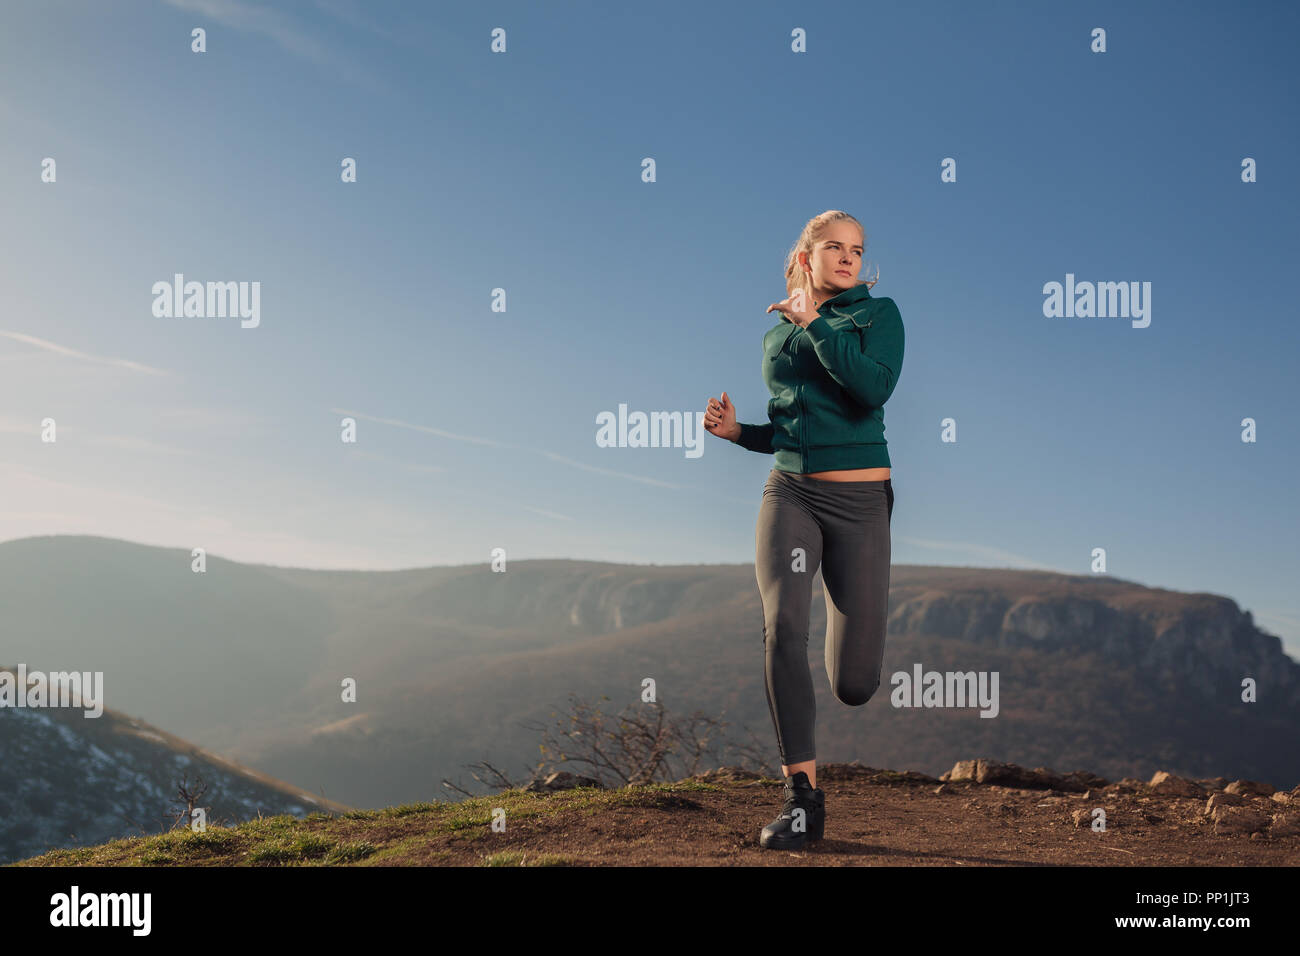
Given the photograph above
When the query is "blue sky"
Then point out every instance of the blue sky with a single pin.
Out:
(522, 171)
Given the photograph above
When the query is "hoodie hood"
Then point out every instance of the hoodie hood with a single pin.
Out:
(851, 296)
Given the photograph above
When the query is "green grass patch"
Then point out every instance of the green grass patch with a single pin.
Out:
(392, 835)
(304, 848)
(409, 808)
(350, 852)
(519, 858)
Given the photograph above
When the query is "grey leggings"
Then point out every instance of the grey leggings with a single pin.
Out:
(843, 526)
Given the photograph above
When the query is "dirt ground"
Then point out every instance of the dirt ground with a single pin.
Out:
(882, 818)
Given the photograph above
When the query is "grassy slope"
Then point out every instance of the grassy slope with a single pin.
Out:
(394, 836)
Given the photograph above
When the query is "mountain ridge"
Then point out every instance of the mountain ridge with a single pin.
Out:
(451, 662)
(102, 776)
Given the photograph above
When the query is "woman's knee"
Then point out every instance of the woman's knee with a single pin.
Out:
(855, 690)
(788, 634)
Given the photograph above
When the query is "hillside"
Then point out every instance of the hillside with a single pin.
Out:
(72, 781)
(453, 663)
(874, 818)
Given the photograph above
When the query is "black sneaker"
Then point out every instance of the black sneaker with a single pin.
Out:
(781, 833)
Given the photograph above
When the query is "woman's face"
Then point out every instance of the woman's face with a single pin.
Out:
(837, 258)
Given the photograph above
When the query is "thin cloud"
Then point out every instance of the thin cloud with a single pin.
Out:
(349, 13)
(476, 440)
(275, 25)
(423, 428)
(132, 443)
(608, 471)
(63, 350)
(1289, 618)
(194, 417)
(432, 469)
(549, 514)
(29, 515)
(1285, 624)
(30, 482)
(981, 550)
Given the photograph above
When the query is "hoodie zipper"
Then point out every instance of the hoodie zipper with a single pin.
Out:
(803, 415)
(803, 441)
(803, 421)
(798, 396)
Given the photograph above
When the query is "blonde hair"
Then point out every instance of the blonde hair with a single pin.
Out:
(795, 276)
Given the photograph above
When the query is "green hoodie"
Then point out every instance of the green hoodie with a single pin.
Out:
(829, 383)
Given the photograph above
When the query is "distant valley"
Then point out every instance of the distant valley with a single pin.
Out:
(247, 661)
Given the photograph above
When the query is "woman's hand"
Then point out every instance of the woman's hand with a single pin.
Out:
(795, 308)
(720, 418)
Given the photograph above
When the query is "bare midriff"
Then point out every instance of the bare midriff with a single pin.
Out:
(853, 474)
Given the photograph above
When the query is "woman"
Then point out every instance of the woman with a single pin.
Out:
(830, 364)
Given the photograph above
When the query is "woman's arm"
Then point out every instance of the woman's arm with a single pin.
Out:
(869, 377)
(757, 437)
